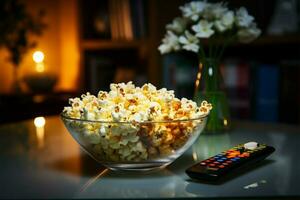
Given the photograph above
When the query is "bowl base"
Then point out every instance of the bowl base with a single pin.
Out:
(137, 166)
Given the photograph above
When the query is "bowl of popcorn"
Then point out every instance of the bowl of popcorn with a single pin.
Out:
(135, 128)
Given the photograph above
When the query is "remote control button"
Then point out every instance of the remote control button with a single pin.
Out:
(243, 155)
(228, 161)
(220, 160)
(235, 159)
(225, 164)
(213, 168)
(234, 153)
(221, 166)
(216, 162)
(203, 163)
(212, 165)
(251, 145)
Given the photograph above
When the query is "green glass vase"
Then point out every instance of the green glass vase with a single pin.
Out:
(209, 86)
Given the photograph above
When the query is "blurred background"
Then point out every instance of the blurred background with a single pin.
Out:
(53, 50)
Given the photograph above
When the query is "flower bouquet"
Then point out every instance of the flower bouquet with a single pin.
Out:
(213, 26)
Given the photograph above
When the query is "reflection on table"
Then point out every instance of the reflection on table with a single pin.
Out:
(40, 159)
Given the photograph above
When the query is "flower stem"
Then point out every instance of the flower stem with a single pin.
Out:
(224, 46)
(202, 55)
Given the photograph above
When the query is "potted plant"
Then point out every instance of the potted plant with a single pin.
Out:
(214, 26)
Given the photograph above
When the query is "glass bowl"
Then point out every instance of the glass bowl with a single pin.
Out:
(135, 145)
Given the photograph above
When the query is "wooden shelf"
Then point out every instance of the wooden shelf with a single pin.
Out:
(267, 40)
(111, 44)
(280, 39)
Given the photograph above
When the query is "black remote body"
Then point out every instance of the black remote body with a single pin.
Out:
(227, 162)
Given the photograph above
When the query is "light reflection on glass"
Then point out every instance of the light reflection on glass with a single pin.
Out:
(210, 71)
(39, 123)
(225, 122)
(195, 156)
(198, 78)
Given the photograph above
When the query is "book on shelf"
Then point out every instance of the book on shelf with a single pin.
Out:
(113, 20)
(289, 98)
(128, 29)
(138, 9)
(266, 87)
(236, 82)
(127, 19)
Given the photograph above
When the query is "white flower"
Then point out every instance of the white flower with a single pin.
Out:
(243, 19)
(214, 11)
(219, 26)
(178, 25)
(225, 22)
(193, 9)
(170, 43)
(219, 9)
(247, 35)
(228, 19)
(189, 41)
(203, 29)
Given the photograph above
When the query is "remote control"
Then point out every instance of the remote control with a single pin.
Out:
(218, 166)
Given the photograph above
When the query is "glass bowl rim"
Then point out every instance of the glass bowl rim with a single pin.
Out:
(131, 122)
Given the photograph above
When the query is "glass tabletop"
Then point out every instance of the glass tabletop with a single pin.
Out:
(45, 162)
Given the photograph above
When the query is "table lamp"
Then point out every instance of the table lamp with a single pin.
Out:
(40, 81)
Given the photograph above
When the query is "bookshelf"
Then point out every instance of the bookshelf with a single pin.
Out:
(289, 39)
(293, 39)
(112, 44)
(110, 29)
(137, 54)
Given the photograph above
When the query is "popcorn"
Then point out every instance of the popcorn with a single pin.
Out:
(124, 131)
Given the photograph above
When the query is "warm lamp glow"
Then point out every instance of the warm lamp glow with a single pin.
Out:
(39, 121)
(38, 57)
